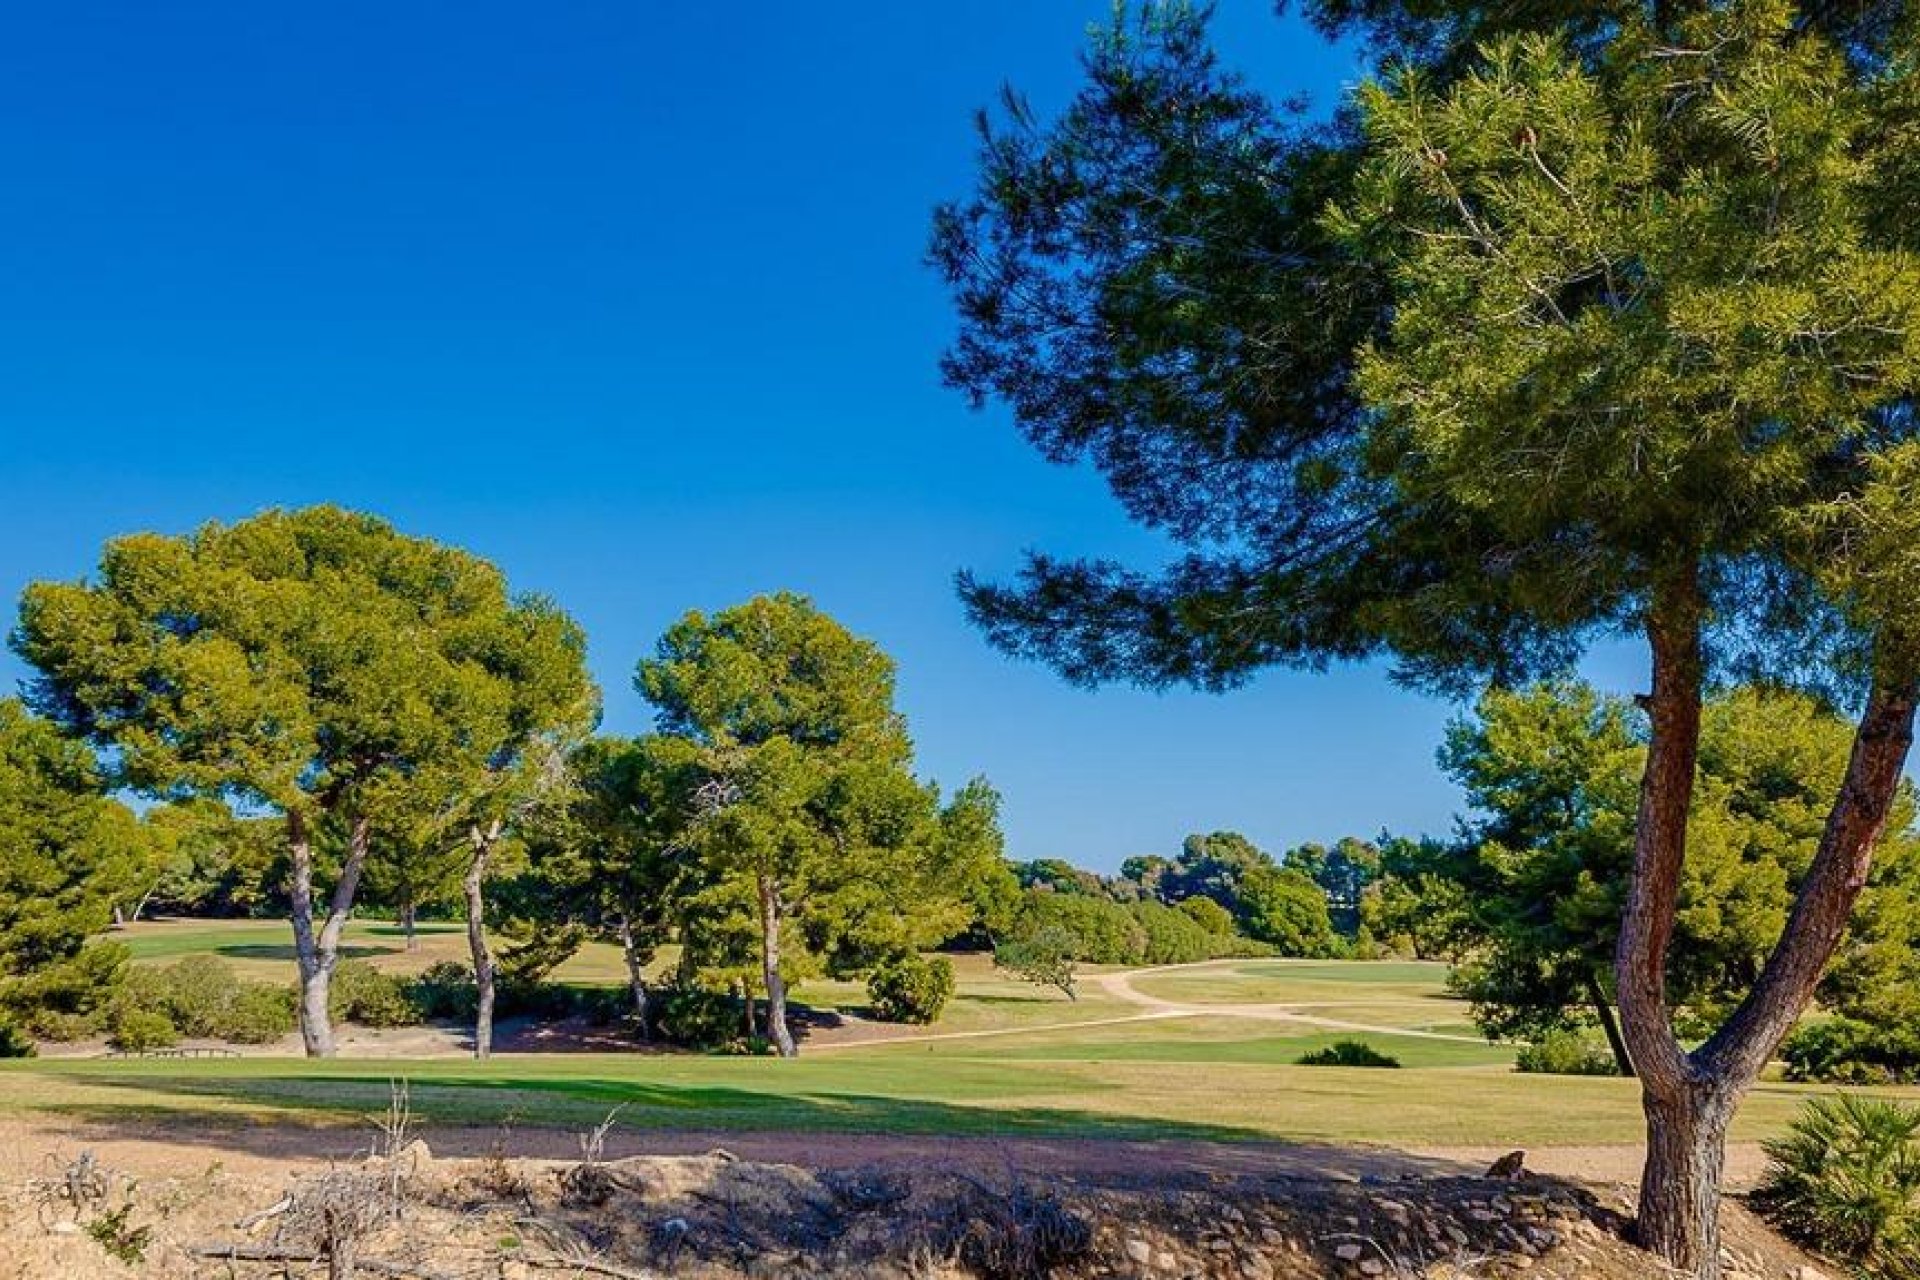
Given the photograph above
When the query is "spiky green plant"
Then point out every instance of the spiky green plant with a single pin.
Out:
(1846, 1179)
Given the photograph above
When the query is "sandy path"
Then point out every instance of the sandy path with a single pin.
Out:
(1121, 986)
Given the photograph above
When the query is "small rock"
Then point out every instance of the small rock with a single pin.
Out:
(1255, 1267)
(1349, 1252)
(1373, 1267)
(1139, 1252)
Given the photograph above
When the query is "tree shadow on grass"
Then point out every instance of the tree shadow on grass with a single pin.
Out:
(285, 951)
(324, 1116)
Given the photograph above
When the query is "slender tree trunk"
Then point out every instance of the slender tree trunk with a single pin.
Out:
(1603, 1010)
(777, 1027)
(318, 953)
(636, 975)
(483, 841)
(408, 915)
(1678, 1216)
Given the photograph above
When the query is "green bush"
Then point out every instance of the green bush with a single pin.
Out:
(1213, 919)
(1843, 1051)
(1348, 1053)
(1846, 1179)
(694, 1016)
(1566, 1053)
(1173, 937)
(195, 993)
(259, 1013)
(910, 988)
(62, 1028)
(446, 991)
(361, 993)
(138, 1030)
(14, 1042)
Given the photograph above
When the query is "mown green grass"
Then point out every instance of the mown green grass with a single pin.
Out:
(1345, 983)
(262, 950)
(915, 1089)
(1038, 1069)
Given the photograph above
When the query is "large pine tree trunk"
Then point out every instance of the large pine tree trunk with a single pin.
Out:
(777, 1027)
(1680, 1184)
(318, 953)
(1689, 1099)
(473, 885)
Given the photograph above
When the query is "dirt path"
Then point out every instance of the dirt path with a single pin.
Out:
(1121, 986)
(31, 1147)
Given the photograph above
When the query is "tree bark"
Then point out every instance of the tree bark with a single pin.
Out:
(1742, 1047)
(636, 975)
(1689, 1099)
(1603, 1010)
(318, 953)
(472, 884)
(777, 1028)
(408, 916)
(1679, 1218)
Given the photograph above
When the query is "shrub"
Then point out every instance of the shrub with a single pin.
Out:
(1566, 1053)
(195, 993)
(910, 988)
(1212, 918)
(446, 991)
(695, 1016)
(259, 1013)
(14, 1043)
(138, 1030)
(1173, 937)
(1843, 1051)
(1042, 956)
(361, 993)
(1348, 1053)
(1846, 1179)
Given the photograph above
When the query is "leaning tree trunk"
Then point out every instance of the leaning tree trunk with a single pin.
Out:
(1609, 1025)
(1689, 1099)
(777, 1028)
(472, 883)
(318, 953)
(636, 975)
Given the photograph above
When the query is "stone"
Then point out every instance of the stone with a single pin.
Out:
(1349, 1252)
(1139, 1252)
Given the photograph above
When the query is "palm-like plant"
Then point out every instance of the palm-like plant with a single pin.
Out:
(1846, 1179)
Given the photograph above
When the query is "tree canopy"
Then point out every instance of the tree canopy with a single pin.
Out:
(315, 663)
(1581, 320)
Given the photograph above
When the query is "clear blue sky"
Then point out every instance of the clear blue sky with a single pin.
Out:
(627, 297)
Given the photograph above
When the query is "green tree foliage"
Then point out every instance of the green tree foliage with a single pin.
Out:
(314, 663)
(210, 862)
(1284, 908)
(1343, 874)
(910, 988)
(1042, 953)
(812, 825)
(68, 854)
(1553, 771)
(1615, 327)
(1214, 920)
(606, 851)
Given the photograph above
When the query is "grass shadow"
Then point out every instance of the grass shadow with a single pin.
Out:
(285, 951)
